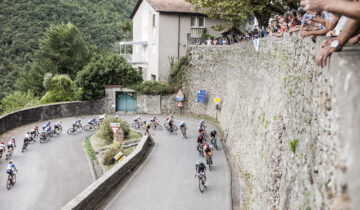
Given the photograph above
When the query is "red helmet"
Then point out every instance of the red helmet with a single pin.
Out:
(207, 144)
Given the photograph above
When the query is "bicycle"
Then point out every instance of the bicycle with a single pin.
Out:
(26, 143)
(199, 148)
(11, 182)
(166, 125)
(138, 125)
(156, 125)
(75, 129)
(213, 142)
(172, 131)
(44, 137)
(183, 132)
(92, 126)
(201, 177)
(9, 154)
(58, 128)
(209, 160)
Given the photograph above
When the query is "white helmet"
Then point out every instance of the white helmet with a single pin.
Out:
(198, 162)
(182, 122)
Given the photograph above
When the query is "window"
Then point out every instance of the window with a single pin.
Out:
(154, 20)
(153, 77)
(201, 22)
(193, 21)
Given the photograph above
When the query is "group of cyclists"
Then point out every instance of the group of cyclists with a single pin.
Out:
(29, 137)
(204, 146)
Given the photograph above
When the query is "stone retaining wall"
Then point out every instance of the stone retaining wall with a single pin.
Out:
(272, 99)
(48, 112)
(96, 192)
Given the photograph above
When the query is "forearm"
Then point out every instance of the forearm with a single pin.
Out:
(348, 31)
(346, 8)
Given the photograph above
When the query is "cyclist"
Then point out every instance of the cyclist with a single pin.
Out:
(10, 145)
(76, 124)
(92, 122)
(102, 117)
(207, 151)
(182, 126)
(34, 131)
(213, 133)
(10, 170)
(12, 140)
(170, 123)
(202, 125)
(46, 125)
(137, 120)
(200, 167)
(200, 141)
(27, 137)
(154, 121)
(170, 117)
(2, 148)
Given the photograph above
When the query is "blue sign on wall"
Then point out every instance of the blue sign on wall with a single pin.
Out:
(201, 96)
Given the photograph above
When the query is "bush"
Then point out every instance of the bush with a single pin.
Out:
(60, 89)
(177, 73)
(293, 145)
(18, 100)
(154, 88)
(104, 70)
(110, 153)
(106, 133)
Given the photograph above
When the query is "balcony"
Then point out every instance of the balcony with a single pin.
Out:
(196, 32)
(134, 52)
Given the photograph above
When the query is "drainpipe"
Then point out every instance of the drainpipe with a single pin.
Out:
(179, 39)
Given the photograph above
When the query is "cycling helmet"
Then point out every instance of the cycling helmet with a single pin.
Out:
(28, 132)
(207, 144)
(199, 129)
(10, 161)
(144, 121)
(182, 122)
(214, 130)
(79, 120)
(202, 121)
(138, 116)
(3, 142)
(198, 162)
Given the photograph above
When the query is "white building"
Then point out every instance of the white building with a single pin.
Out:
(160, 31)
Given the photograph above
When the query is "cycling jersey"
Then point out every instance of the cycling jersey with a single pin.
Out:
(207, 149)
(213, 133)
(200, 168)
(92, 121)
(10, 145)
(2, 147)
(182, 125)
(48, 128)
(200, 140)
(9, 168)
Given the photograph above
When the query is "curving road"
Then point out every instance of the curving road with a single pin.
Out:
(166, 178)
(50, 174)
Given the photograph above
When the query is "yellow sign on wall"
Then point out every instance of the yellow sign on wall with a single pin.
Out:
(217, 100)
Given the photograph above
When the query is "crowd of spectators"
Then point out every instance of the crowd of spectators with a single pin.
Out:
(337, 19)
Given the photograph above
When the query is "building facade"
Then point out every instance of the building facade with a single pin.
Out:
(160, 32)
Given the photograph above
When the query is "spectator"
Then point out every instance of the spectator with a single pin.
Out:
(342, 7)
(208, 41)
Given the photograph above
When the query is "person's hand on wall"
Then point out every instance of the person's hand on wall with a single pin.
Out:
(323, 54)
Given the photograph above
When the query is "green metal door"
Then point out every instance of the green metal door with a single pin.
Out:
(126, 102)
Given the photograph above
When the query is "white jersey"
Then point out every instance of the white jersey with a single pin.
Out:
(10, 166)
(27, 136)
(2, 146)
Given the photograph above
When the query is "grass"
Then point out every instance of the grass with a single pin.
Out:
(90, 149)
(134, 135)
(293, 145)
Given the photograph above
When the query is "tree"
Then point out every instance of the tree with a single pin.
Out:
(62, 50)
(61, 88)
(18, 100)
(101, 71)
(236, 11)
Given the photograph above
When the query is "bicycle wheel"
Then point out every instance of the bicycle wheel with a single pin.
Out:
(58, 130)
(8, 184)
(175, 127)
(87, 127)
(79, 129)
(201, 184)
(14, 179)
(71, 131)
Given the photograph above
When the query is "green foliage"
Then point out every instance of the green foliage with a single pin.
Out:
(90, 149)
(105, 132)
(104, 70)
(177, 73)
(293, 145)
(154, 88)
(24, 22)
(236, 11)
(18, 100)
(110, 153)
(60, 89)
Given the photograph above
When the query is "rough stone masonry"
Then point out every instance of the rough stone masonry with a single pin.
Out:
(293, 128)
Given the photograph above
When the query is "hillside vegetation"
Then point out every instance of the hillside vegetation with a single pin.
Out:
(24, 22)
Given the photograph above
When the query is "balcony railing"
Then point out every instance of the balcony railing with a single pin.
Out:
(196, 31)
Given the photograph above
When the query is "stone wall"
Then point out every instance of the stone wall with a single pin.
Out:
(93, 195)
(272, 99)
(48, 112)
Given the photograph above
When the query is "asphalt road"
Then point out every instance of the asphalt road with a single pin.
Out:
(50, 174)
(166, 178)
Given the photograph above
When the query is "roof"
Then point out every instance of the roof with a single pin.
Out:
(167, 6)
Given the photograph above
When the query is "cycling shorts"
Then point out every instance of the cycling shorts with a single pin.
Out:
(10, 146)
(10, 172)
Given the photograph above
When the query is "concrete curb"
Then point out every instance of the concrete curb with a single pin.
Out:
(97, 191)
